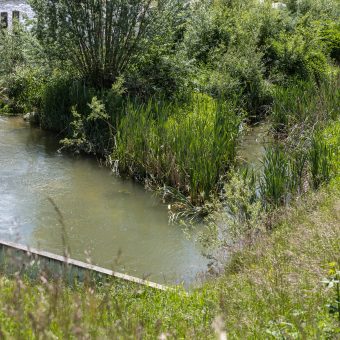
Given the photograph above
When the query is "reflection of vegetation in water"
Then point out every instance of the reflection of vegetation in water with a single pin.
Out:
(253, 144)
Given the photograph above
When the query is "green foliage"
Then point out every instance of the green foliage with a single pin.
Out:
(305, 104)
(275, 179)
(223, 40)
(333, 282)
(284, 175)
(61, 93)
(324, 155)
(299, 55)
(330, 135)
(11, 51)
(330, 35)
(77, 140)
(91, 133)
(321, 9)
(160, 73)
(187, 146)
(243, 211)
(25, 88)
(102, 40)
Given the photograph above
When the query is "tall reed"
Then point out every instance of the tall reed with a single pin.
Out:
(274, 181)
(320, 157)
(185, 146)
(305, 104)
(286, 172)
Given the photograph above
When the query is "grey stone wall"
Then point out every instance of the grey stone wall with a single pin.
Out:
(8, 6)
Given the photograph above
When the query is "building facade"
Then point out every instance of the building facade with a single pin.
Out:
(14, 10)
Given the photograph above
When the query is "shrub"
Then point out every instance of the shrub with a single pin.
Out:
(223, 39)
(91, 134)
(11, 50)
(317, 9)
(299, 55)
(330, 35)
(244, 211)
(25, 88)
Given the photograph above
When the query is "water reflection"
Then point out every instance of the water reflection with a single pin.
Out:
(253, 145)
(103, 214)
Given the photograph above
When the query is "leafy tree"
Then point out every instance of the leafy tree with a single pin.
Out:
(101, 38)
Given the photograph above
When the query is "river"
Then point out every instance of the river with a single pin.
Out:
(104, 215)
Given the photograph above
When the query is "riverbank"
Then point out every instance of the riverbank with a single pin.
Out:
(273, 288)
(114, 223)
(168, 111)
(164, 93)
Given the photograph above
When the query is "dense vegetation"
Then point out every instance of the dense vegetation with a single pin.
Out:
(282, 287)
(163, 91)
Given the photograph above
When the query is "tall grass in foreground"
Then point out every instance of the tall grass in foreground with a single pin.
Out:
(186, 146)
(272, 289)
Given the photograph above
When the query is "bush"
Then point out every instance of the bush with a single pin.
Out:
(223, 39)
(11, 50)
(298, 55)
(160, 73)
(91, 134)
(317, 9)
(25, 89)
(330, 35)
(61, 92)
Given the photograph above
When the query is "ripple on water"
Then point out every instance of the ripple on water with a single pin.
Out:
(103, 214)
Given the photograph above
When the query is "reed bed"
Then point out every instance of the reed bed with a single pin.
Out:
(286, 173)
(305, 104)
(185, 146)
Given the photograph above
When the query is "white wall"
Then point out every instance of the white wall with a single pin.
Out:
(16, 5)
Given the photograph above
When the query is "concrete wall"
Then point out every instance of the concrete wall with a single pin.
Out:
(8, 6)
(16, 258)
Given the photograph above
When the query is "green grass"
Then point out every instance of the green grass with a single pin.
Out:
(185, 146)
(289, 171)
(302, 105)
(274, 288)
(271, 289)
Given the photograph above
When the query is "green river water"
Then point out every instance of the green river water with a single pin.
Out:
(104, 215)
(112, 222)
